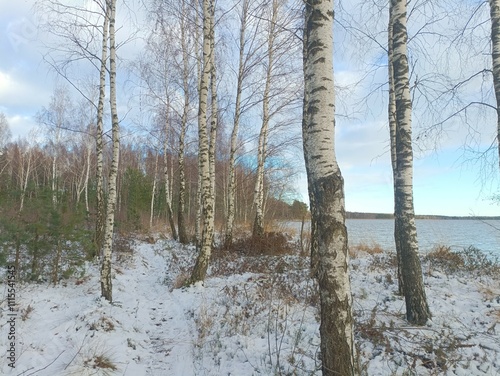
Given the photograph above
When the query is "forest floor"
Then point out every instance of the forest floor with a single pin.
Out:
(252, 316)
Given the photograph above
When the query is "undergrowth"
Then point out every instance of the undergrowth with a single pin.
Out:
(470, 260)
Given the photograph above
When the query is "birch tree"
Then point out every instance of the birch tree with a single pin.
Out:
(495, 55)
(326, 193)
(236, 123)
(56, 119)
(106, 284)
(258, 225)
(392, 136)
(207, 232)
(214, 112)
(281, 93)
(247, 62)
(168, 196)
(417, 310)
(181, 222)
(100, 213)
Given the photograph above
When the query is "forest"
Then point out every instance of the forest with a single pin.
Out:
(183, 126)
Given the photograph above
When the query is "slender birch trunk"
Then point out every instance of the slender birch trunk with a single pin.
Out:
(24, 182)
(392, 132)
(231, 191)
(106, 284)
(168, 196)
(258, 225)
(54, 175)
(417, 310)
(201, 266)
(181, 222)
(99, 228)
(326, 193)
(87, 178)
(153, 193)
(199, 199)
(214, 113)
(495, 55)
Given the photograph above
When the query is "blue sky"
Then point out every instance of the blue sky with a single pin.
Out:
(443, 182)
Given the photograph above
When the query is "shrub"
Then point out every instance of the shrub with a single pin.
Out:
(445, 258)
(271, 244)
(470, 259)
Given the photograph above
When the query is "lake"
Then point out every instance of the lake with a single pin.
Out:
(457, 234)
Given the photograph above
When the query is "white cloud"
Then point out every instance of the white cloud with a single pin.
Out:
(23, 92)
(21, 126)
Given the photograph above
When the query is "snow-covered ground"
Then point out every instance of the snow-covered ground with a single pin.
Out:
(253, 316)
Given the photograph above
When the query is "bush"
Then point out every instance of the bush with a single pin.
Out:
(445, 258)
(475, 259)
(469, 259)
(271, 244)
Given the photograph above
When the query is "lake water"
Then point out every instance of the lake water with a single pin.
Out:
(457, 234)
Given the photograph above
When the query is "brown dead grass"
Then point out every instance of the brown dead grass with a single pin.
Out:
(371, 249)
(443, 257)
(271, 244)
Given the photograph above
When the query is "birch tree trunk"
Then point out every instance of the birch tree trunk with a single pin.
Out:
(495, 55)
(181, 222)
(106, 284)
(258, 225)
(392, 132)
(99, 228)
(24, 181)
(153, 193)
(326, 193)
(87, 176)
(231, 192)
(199, 58)
(214, 113)
(207, 234)
(168, 196)
(417, 310)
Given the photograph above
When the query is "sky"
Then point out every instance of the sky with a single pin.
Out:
(444, 184)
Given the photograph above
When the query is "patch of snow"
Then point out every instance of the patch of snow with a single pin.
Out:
(244, 323)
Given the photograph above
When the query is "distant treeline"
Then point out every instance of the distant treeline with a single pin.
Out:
(357, 215)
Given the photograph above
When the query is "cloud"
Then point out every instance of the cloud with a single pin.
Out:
(21, 126)
(22, 94)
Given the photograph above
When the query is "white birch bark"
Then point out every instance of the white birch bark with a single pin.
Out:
(201, 266)
(417, 310)
(181, 222)
(106, 284)
(495, 56)
(214, 113)
(168, 196)
(199, 57)
(153, 194)
(326, 193)
(258, 226)
(231, 192)
(25, 177)
(87, 177)
(99, 228)
(392, 133)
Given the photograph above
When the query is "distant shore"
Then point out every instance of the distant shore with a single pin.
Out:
(358, 215)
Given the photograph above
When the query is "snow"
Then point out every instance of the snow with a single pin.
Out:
(252, 316)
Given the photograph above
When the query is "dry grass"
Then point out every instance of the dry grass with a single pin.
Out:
(104, 324)
(101, 362)
(26, 312)
(271, 244)
(443, 257)
(180, 280)
(371, 249)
